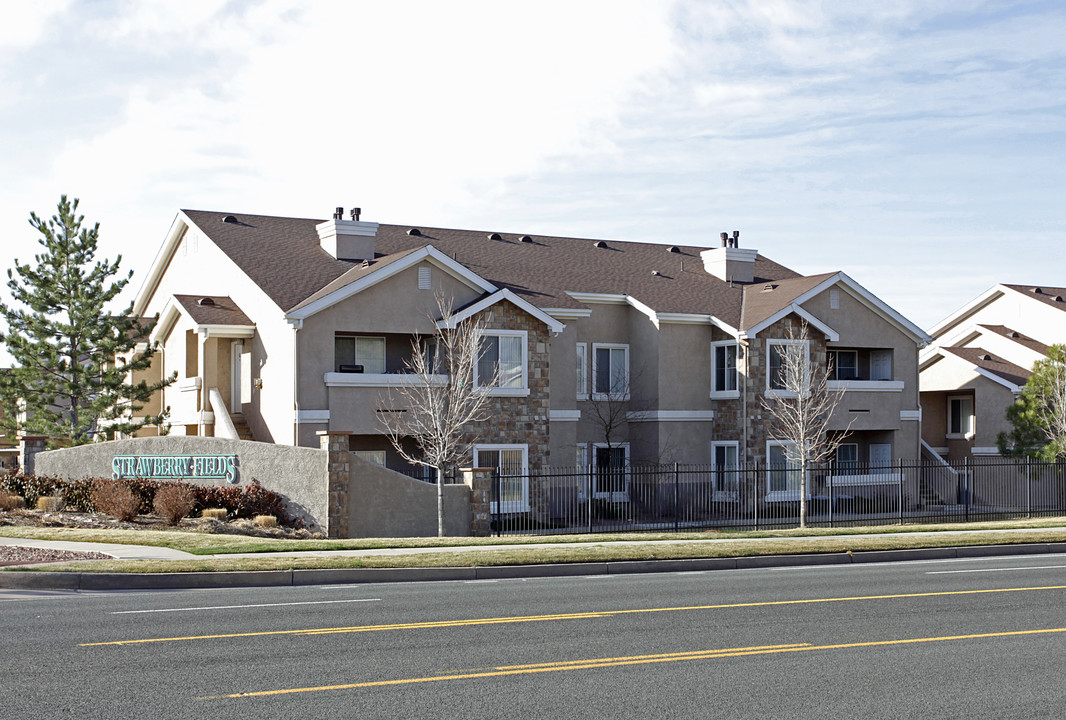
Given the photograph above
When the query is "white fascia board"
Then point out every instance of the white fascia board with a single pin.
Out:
(968, 310)
(226, 331)
(599, 298)
(926, 361)
(997, 379)
(857, 291)
(428, 253)
(830, 334)
(162, 259)
(171, 312)
(868, 299)
(638, 305)
(554, 325)
(726, 327)
(568, 313)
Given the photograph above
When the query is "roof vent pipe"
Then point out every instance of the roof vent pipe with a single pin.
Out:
(725, 239)
(338, 214)
(356, 212)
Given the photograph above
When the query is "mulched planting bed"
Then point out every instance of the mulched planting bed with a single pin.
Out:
(40, 518)
(17, 555)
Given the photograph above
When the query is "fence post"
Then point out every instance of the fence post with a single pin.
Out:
(588, 495)
(830, 488)
(901, 491)
(1028, 488)
(677, 500)
(967, 485)
(755, 494)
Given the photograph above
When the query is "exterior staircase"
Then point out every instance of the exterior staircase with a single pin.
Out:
(243, 431)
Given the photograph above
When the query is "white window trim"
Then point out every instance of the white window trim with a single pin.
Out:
(609, 396)
(725, 495)
(973, 418)
(583, 381)
(725, 394)
(780, 495)
(523, 390)
(510, 506)
(771, 392)
(622, 496)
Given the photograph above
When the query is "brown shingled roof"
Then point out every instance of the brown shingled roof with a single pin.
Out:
(283, 256)
(762, 300)
(1015, 336)
(1053, 296)
(217, 310)
(994, 364)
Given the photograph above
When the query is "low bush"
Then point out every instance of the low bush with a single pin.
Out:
(216, 513)
(239, 501)
(266, 521)
(173, 502)
(11, 502)
(50, 503)
(115, 499)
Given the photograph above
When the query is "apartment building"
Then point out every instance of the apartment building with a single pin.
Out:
(980, 358)
(604, 352)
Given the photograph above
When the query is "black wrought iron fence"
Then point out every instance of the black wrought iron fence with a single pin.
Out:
(690, 497)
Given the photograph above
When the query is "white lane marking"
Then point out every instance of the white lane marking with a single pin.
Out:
(234, 607)
(952, 572)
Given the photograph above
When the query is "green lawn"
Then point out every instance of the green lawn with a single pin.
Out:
(593, 548)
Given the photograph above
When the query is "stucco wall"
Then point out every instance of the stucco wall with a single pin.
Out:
(299, 474)
(383, 503)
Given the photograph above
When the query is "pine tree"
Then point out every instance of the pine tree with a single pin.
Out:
(1038, 415)
(73, 360)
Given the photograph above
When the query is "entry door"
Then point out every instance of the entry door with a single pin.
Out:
(881, 365)
(881, 458)
(235, 351)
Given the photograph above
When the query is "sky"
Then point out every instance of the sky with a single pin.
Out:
(919, 147)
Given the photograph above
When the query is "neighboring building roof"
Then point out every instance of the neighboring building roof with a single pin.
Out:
(991, 364)
(213, 310)
(1017, 337)
(1053, 296)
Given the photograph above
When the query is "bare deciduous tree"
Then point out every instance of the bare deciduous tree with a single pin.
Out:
(440, 401)
(801, 408)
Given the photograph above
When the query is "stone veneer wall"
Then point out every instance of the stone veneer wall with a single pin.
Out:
(521, 420)
(759, 421)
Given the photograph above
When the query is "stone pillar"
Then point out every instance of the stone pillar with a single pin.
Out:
(335, 444)
(29, 446)
(479, 480)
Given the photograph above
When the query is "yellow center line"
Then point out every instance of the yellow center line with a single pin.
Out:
(506, 670)
(564, 616)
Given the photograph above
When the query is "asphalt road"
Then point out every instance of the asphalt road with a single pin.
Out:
(942, 639)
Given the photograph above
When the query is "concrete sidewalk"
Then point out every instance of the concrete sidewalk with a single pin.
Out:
(119, 552)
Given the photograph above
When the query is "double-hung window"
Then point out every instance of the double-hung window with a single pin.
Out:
(785, 358)
(724, 369)
(782, 471)
(581, 376)
(610, 371)
(501, 365)
(353, 353)
(726, 469)
(960, 417)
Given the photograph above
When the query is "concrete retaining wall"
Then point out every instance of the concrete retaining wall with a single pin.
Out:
(299, 474)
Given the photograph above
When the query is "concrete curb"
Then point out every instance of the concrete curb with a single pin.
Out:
(31, 580)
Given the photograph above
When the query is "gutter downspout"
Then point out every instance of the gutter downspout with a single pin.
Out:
(296, 382)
